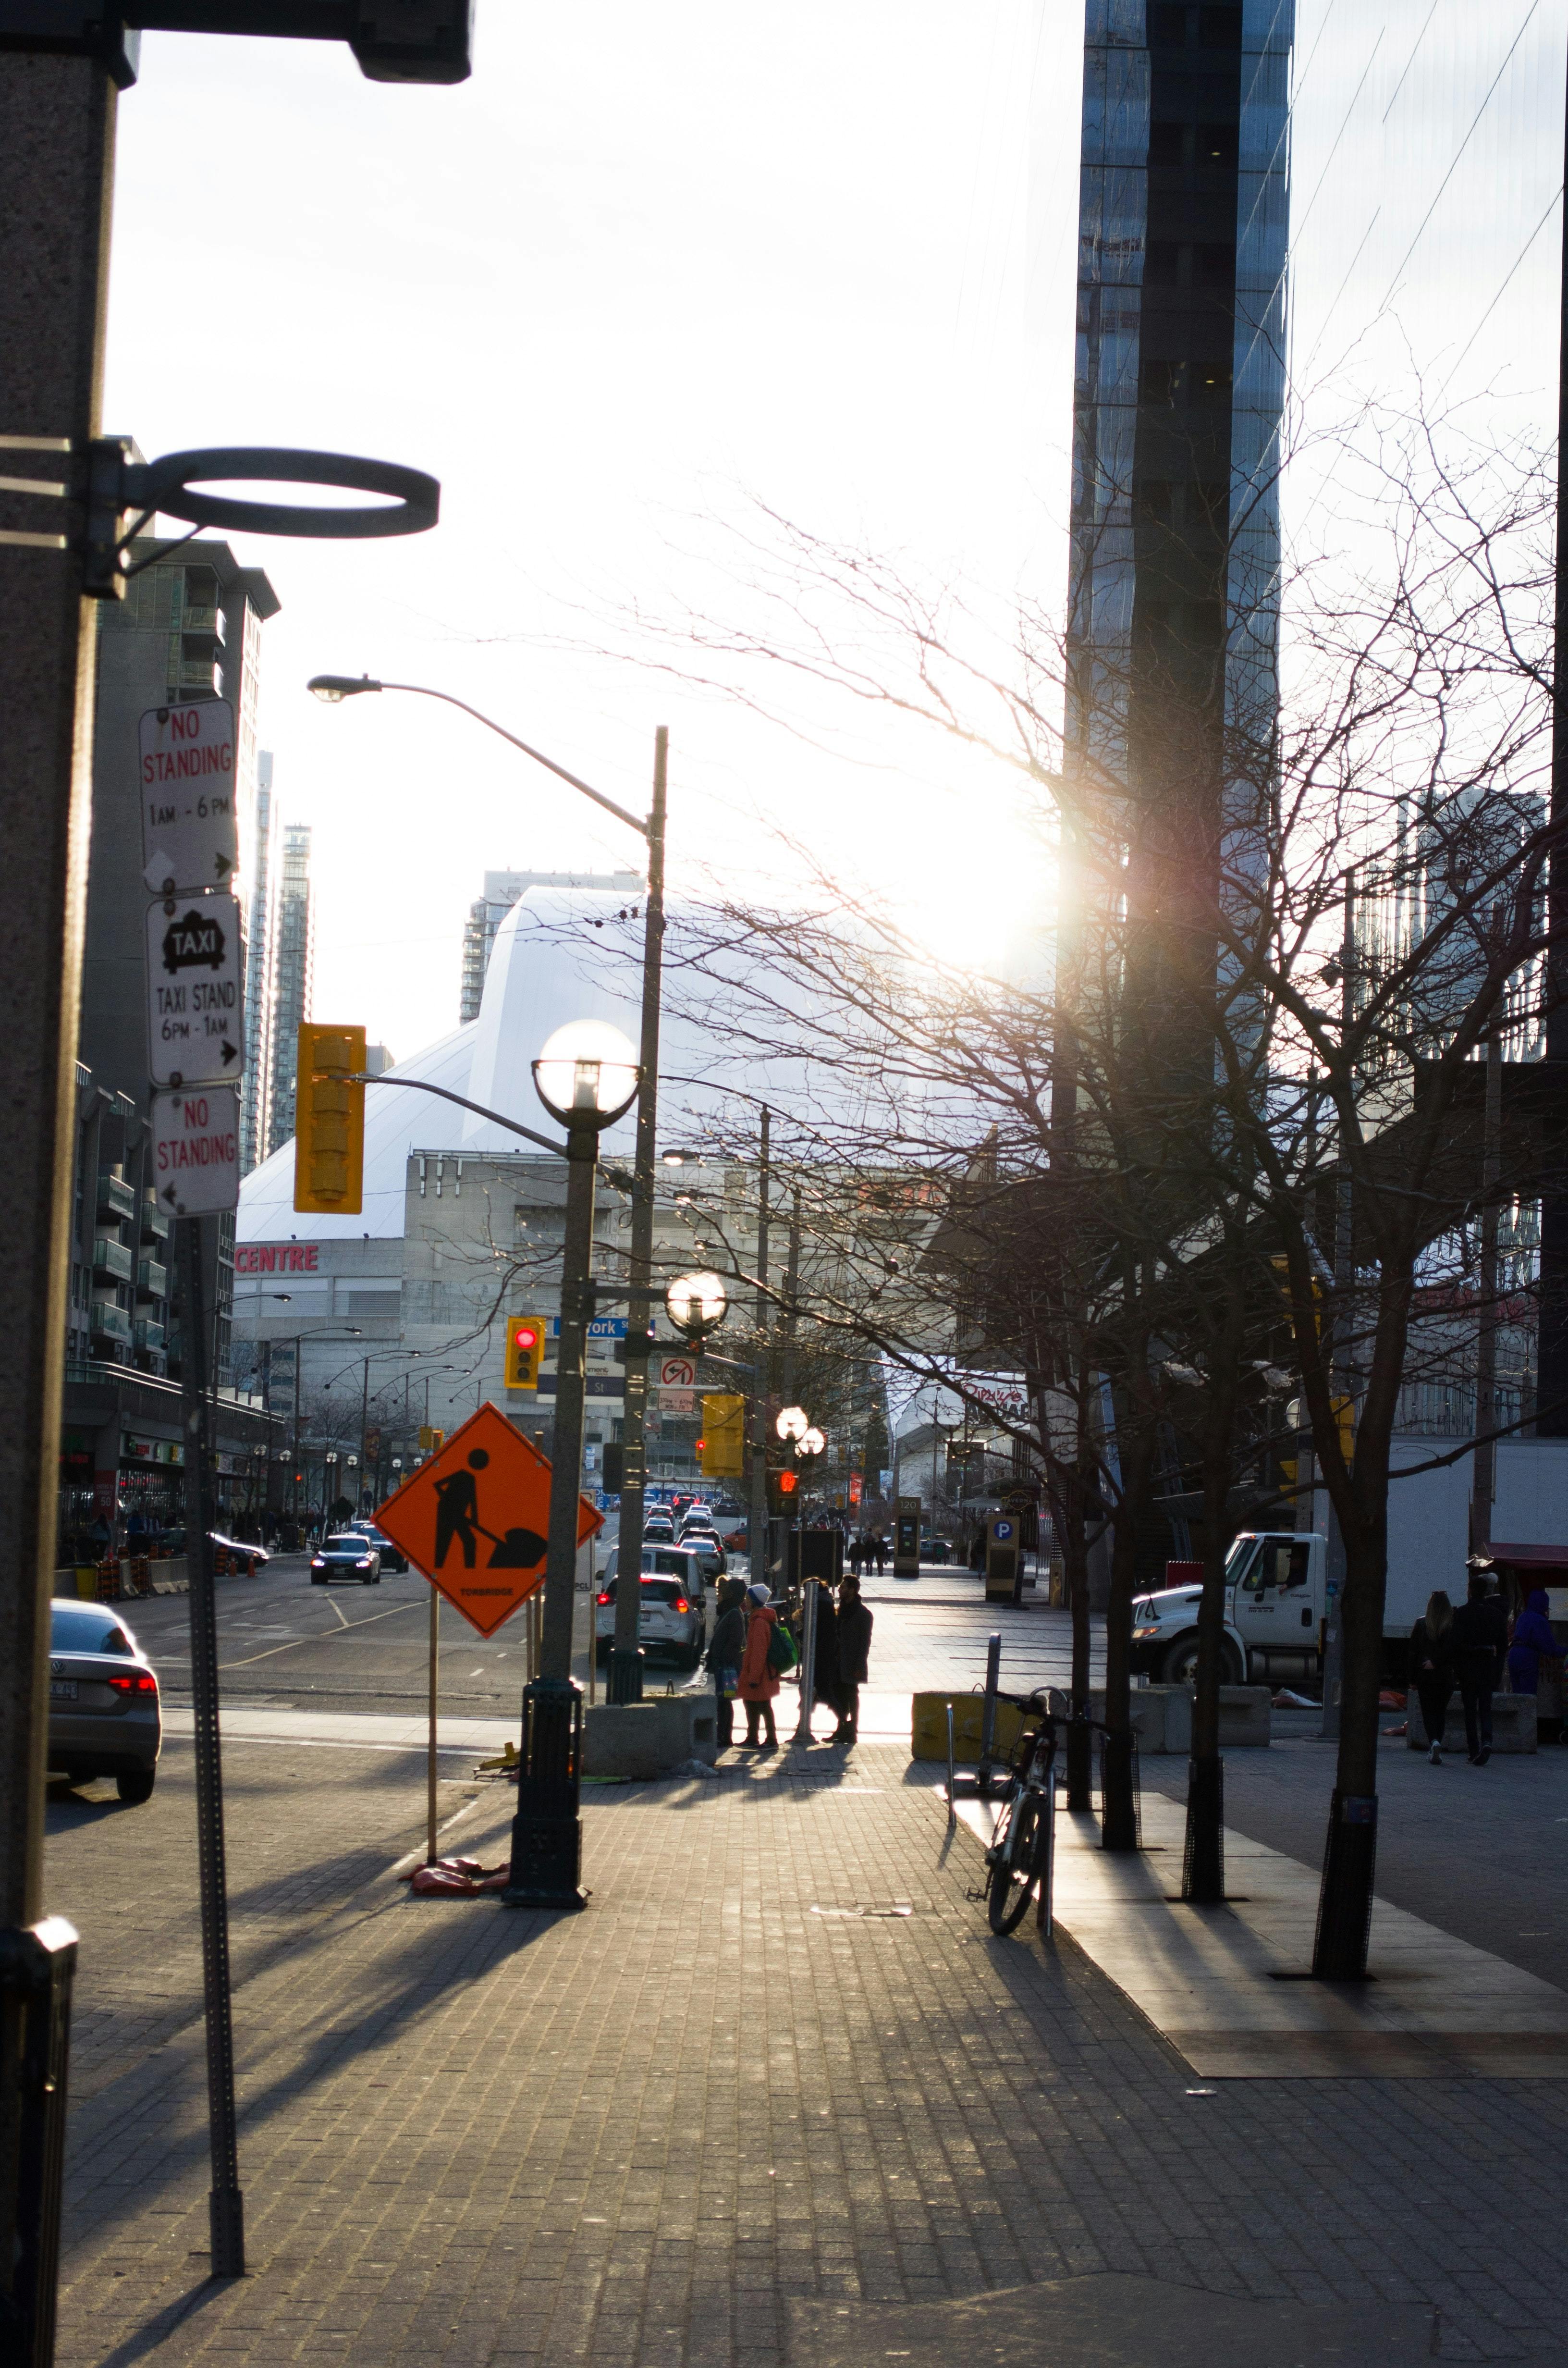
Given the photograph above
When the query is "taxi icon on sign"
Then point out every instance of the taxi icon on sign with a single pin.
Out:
(193, 942)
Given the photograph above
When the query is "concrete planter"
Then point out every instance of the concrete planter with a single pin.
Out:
(1161, 1718)
(649, 1738)
(1513, 1724)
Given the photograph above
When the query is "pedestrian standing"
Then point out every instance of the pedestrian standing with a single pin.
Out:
(1480, 1641)
(725, 1647)
(857, 1554)
(881, 1553)
(854, 1638)
(759, 1679)
(1432, 1658)
(824, 1656)
(1535, 1653)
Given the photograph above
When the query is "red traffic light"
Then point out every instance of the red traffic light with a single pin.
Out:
(787, 1482)
(525, 1335)
(700, 1445)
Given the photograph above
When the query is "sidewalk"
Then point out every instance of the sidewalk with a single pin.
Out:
(746, 2112)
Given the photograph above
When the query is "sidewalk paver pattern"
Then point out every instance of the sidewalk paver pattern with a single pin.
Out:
(736, 2087)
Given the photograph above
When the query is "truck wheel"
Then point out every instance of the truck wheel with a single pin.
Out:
(1180, 1665)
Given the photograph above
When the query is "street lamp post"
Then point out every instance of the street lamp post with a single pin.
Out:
(625, 1679)
(586, 1076)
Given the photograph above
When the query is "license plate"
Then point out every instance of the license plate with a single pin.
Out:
(62, 1690)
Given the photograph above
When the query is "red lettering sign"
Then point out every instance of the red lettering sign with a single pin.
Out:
(278, 1258)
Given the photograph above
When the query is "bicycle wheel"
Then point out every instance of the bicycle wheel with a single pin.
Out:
(1013, 1876)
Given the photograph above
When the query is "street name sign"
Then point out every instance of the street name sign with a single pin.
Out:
(196, 1150)
(190, 834)
(474, 1520)
(195, 999)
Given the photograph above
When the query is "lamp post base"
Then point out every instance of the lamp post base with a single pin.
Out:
(624, 1683)
(547, 1832)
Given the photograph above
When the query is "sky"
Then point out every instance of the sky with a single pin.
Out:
(645, 270)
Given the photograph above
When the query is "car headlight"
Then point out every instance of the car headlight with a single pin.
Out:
(1142, 1636)
(363, 1563)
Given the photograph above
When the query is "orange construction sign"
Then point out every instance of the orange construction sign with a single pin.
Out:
(474, 1521)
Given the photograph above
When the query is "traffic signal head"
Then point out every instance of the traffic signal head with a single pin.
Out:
(787, 1482)
(329, 1121)
(524, 1350)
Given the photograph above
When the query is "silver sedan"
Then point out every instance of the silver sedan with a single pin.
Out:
(104, 1717)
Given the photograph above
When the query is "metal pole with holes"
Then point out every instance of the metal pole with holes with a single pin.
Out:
(225, 2202)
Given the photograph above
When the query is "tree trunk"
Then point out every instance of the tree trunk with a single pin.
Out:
(1349, 1865)
(1119, 1797)
(1203, 1860)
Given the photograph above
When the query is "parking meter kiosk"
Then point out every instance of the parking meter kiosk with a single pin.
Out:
(1003, 1561)
(906, 1537)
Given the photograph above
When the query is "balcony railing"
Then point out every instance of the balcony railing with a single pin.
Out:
(116, 1198)
(109, 1322)
(151, 1279)
(112, 1258)
(154, 1224)
(149, 1335)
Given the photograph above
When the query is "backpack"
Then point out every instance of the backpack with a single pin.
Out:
(781, 1653)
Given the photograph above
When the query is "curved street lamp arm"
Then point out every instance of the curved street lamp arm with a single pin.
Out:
(421, 1087)
(637, 821)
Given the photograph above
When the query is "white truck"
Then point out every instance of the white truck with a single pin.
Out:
(1276, 1593)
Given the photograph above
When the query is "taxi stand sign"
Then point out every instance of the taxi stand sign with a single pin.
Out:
(195, 995)
(475, 1520)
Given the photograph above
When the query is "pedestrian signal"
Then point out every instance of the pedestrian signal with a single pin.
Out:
(525, 1350)
(787, 1482)
(329, 1120)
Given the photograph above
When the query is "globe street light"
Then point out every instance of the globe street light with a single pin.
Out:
(587, 1077)
(625, 1683)
(696, 1304)
(792, 1423)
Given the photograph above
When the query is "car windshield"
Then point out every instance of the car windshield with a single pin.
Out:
(348, 1545)
(670, 1558)
(654, 1590)
(77, 1628)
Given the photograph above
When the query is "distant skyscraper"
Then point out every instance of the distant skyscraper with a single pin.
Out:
(502, 890)
(259, 975)
(293, 952)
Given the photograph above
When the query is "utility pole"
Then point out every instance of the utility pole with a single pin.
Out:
(624, 1682)
(1339, 1370)
(758, 1530)
(1483, 1462)
(57, 124)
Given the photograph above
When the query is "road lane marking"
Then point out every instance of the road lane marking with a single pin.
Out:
(331, 1636)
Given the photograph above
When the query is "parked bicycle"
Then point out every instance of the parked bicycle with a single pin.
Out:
(1019, 1856)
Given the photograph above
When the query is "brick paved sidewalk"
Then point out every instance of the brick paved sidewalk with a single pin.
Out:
(650, 2134)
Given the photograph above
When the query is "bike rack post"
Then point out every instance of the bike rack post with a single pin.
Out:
(988, 1720)
(952, 1812)
(1045, 1910)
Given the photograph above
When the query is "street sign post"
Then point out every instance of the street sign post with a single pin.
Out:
(474, 1520)
(196, 1150)
(190, 825)
(195, 1000)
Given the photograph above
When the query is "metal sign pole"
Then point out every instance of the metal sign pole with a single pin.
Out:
(225, 2204)
(430, 1771)
(808, 1658)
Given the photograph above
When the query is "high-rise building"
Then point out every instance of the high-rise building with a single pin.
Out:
(293, 958)
(259, 975)
(502, 890)
(1180, 377)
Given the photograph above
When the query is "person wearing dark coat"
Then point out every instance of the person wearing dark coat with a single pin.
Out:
(1432, 1660)
(1480, 1641)
(1533, 1644)
(854, 1637)
(725, 1647)
(824, 1660)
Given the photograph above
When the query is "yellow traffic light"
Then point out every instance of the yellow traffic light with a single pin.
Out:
(524, 1350)
(329, 1121)
(721, 1449)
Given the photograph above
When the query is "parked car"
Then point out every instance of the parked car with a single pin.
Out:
(670, 1617)
(345, 1554)
(392, 1557)
(104, 1714)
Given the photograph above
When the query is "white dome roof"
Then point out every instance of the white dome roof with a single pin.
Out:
(560, 954)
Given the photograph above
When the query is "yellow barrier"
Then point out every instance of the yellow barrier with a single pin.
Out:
(930, 1723)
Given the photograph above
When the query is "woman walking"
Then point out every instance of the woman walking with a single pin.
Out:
(1432, 1658)
(759, 1679)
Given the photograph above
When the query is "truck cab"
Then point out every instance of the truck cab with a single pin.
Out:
(1275, 1602)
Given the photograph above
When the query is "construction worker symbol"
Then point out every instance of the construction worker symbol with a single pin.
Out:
(457, 1523)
